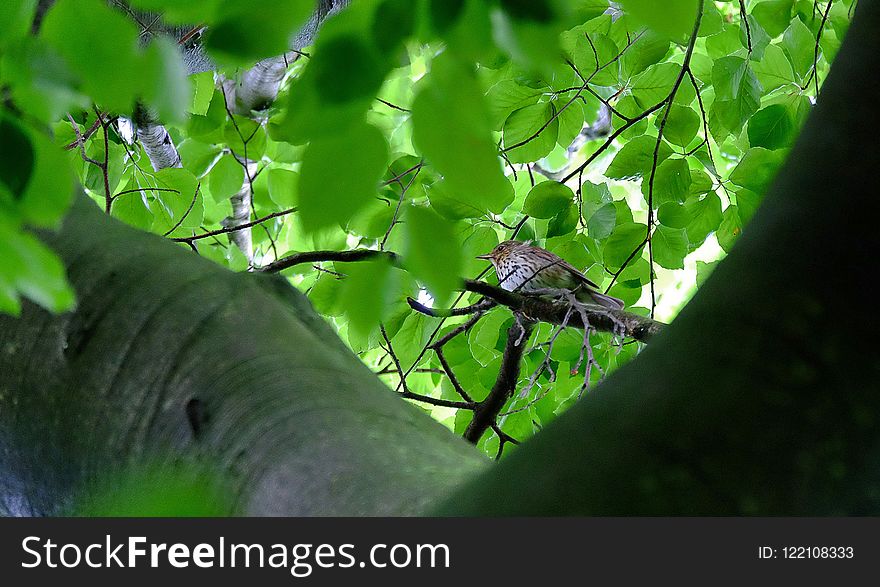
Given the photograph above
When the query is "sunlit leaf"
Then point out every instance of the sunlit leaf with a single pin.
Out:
(328, 197)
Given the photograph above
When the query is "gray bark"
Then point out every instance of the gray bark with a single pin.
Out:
(255, 89)
(287, 417)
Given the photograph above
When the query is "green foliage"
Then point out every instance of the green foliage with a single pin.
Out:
(771, 127)
(422, 128)
(451, 128)
(675, 20)
(328, 197)
(547, 199)
(157, 491)
(432, 252)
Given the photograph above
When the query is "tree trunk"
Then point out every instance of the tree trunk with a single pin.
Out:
(172, 359)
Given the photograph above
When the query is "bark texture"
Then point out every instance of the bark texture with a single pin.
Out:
(287, 416)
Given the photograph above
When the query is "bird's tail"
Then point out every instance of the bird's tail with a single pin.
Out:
(590, 296)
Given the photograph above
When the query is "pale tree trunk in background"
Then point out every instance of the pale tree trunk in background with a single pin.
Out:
(255, 90)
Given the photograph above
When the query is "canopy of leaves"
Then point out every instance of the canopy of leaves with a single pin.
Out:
(429, 129)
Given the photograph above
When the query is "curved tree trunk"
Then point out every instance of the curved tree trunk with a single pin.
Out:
(763, 396)
(170, 358)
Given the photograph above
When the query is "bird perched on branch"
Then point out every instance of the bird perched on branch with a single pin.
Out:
(526, 269)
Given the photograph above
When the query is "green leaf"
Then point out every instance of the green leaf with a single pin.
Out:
(771, 127)
(184, 207)
(482, 240)
(673, 215)
(728, 42)
(36, 75)
(648, 49)
(130, 208)
(247, 30)
(325, 295)
(563, 223)
(18, 160)
(531, 44)
(348, 58)
(100, 49)
(635, 158)
(759, 38)
(29, 268)
(283, 187)
(675, 21)
(600, 67)
(654, 84)
(571, 119)
(328, 197)
(507, 96)
(226, 178)
(451, 128)
(393, 22)
(197, 156)
(799, 45)
(700, 182)
(450, 204)
(682, 125)
(547, 199)
(602, 222)
(737, 92)
(670, 246)
(530, 133)
(774, 69)
(747, 202)
(774, 15)
(705, 217)
(445, 13)
(730, 229)
(165, 85)
(712, 20)
(432, 254)
(625, 239)
(49, 190)
(365, 294)
(704, 270)
(205, 127)
(595, 194)
(203, 91)
(756, 169)
(672, 182)
(17, 17)
(470, 35)
(246, 137)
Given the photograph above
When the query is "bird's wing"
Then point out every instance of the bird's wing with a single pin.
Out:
(578, 275)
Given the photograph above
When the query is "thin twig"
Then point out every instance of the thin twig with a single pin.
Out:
(189, 239)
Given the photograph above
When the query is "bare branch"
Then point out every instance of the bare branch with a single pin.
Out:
(543, 309)
(190, 239)
(487, 410)
(316, 256)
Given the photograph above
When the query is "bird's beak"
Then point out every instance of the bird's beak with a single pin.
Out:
(486, 257)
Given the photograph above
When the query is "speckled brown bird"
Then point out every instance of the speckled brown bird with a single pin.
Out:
(523, 268)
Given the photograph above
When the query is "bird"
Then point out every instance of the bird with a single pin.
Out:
(524, 268)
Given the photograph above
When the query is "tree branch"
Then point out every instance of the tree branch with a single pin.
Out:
(486, 411)
(190, 239)
(317, 256)
(632, 325)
